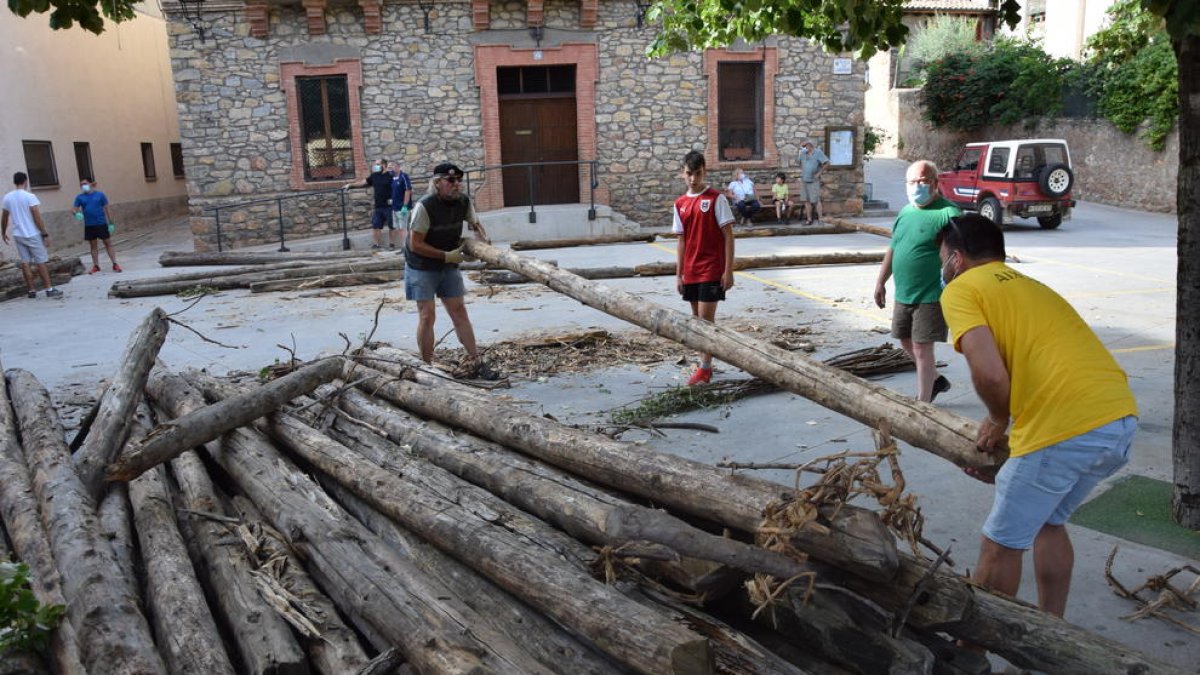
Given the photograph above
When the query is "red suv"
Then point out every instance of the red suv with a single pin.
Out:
(1006, 179)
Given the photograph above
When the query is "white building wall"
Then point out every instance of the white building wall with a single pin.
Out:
(1069, 23)
(113, 91)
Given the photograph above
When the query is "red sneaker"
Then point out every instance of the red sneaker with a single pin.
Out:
(701, 376)
(116, 268)
(95, 268)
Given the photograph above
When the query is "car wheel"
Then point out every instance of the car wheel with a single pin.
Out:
(1056, 180)
(990, 208)
(1050, 222)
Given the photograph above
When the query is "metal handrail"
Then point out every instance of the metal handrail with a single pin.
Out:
(593, 183)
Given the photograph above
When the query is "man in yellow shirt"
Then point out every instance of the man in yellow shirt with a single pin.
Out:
(1033, 360)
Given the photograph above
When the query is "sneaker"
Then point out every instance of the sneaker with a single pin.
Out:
(31, 294)
(374, 247)
(117, 268)
(95, 268)
(391, 247)
(701, 376)
(939, 385)
(53, 293)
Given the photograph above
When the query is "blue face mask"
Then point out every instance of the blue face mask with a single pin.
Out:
(943, 274)
(919, 195)
(377, 168)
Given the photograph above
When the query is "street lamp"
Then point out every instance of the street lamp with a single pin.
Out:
(191, 13)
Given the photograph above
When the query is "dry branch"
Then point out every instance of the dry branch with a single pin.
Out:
(328, 281)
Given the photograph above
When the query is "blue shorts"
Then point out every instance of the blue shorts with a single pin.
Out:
(1045, 486)
(422, 285)
(382, 217)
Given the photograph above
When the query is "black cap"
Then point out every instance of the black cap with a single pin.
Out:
(446, 169)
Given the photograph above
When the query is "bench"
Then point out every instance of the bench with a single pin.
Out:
(767, 213)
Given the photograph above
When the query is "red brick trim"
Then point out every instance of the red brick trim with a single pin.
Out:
(535, 13)
(372, 16)
(487, 58)
(769, 56)
(314, 12)
(588, 13)
(288, 72)
(481, 18)
(258, 14)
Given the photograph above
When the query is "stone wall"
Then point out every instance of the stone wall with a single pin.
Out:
(1110, 167)
(420, 104)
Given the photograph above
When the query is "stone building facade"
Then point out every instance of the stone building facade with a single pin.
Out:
(483, 84)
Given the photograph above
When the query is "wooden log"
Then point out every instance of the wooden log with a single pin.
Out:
(187, 633)
(169, 440)
(599, 240)
(939, 431)
(777, 231)
(384, 594)
(499, 277)
(336, 649)
(116, 526)
(660, 269)
(21, 515)
(170, 286)
(196, 258)
(857, 540)
(328, 281)
(118, 403)
(112, 634)
(262, 638)
(556, 497)
(619, 627)
(860, 227)
(12, 283)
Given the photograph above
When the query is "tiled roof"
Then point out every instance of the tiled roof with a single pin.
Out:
(950, 5)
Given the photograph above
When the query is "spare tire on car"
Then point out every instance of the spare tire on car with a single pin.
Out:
(1055, 180)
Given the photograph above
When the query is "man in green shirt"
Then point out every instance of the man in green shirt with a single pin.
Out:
(913, 259)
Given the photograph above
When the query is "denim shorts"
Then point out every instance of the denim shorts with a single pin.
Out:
(1045, 486)
(422, 285)
(381, 217)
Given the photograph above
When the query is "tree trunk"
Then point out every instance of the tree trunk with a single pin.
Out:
(920, 424)
(861, 227)
(113, 635)
(22, 519)
(389, 597)
(624, 630)
(582, 241)
(782, 231)
(857, 540)
(587, 513)
(661, 269)
(118, 403)
(171, 286)
(336, 650)
(1185, 500)
(196, 258)
(169, 440)
(187, 633)
(263, 640)
(12, 282)
(327, 281)
(116, 526)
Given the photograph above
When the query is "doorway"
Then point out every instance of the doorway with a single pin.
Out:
(538, 123)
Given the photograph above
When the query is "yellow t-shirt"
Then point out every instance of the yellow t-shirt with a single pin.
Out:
(1064, 381)
(779, 191)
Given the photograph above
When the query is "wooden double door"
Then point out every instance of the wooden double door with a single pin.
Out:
(539, 128)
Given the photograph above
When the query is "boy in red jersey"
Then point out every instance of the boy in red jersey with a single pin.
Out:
(704, 254)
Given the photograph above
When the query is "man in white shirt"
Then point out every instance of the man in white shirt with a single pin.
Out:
(29, 234)
(742, 196)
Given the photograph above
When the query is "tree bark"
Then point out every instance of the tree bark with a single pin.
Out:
(327, 281)
(622, 629)
(263, 640)
(920, 424)
(169, 440)
(1185, 437)
(22, 519)
(187, 633)
(118, 403)
(116, 526)
(171, 286)
(337, 650)
(857, 540)
(113, 635)
(582, 241)
(782, 231)
(196, 258)
(389, 597)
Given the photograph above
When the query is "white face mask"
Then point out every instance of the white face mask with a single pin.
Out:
(376, 168)
(86, 188)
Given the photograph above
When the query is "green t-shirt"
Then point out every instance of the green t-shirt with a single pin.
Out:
(916, 267)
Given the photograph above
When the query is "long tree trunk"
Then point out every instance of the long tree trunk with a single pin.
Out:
(194, 258)
(22, 519)
(660, 269)
(1185, 437)
(582, 241)
(387, 596)
(12, 282)
(113, 635)
(860, 227)
(171, 286)
(780, 231)
(939, 431)
(116, 525)
(118, 404)
(203, 425)
(328, 281)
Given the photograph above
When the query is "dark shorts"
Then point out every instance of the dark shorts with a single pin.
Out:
(91, 232)
(922, 323)
(382, 217)
(705, 291)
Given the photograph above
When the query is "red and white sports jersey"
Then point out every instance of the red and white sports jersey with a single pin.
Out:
(698, 222)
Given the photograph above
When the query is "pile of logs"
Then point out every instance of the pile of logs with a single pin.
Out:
(12, 282)
(362, 511)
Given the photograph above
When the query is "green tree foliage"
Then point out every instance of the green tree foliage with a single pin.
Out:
(24, 622)
(941, 36)
(1130, 28)
(1008, 83)
(1144, 89)
(89, 14)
